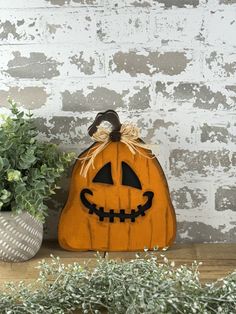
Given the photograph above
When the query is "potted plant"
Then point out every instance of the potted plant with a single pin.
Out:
(29, 173)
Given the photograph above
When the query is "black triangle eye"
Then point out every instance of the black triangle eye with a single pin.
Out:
(104, 175)
(129, 177)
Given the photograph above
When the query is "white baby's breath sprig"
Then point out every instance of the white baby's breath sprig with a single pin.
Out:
(141, 285)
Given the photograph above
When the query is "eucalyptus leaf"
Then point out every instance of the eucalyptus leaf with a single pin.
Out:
(1, 163)
(5, 195)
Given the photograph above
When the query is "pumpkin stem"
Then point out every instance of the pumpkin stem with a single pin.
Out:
(112, 117)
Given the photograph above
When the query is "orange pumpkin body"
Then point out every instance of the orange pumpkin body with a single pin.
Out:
(153, 223)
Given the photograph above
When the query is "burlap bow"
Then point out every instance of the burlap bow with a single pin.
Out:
(129, 135)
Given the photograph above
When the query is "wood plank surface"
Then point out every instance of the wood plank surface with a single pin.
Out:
(218, 260)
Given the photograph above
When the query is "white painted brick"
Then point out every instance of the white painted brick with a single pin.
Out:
(227, 2)
(77, 26)
(220, 28)
(195, 96)
(30, 62)
(83, 63)
(168, 131)
(28, 95)
(22, 4)
(173, 4)
(182, 26)
(48, 3)
(138, 3)
(191, 197)
(128, 3)
(167, 4)
(49, 62)
(162, 63)
(219, 131)
(123, 26)
(220, 65)
(21, 27)
(101, 94)
(84, 3)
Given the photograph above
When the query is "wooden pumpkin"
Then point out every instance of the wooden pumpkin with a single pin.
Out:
(123, 202)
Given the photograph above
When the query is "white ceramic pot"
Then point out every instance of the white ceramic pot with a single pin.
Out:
(20, 236)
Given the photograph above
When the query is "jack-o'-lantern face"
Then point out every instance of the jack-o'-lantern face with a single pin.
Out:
(122, 204)
(129, 179)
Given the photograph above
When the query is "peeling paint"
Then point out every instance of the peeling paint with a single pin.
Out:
(58, 2)
(75, 27)
(141, 99)
(52, 28)
(87, 67)
(190, 231)
(186, 198)
(182, 28)
(37, 65)
(159, 123)
(134, 27)
(230, 68)
(60, 129)
(214, 134)
(133, 63)
(231, 88)
(234, 159)
(184, 161)
(185, 90)
(197, 95)
(205, 98)
(8, 29)
(86, 2)
(161, 132)
(21, 22)
(176, 3)
(225, 198)
(101, 98)
(227, 1)
(32, 97)
(220, 64)
(211, 58)
(142, 4)
(100, 32)
(161, 88)
(20, 28)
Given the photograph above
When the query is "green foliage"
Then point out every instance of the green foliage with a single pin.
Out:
(29, 169)
(142, 285)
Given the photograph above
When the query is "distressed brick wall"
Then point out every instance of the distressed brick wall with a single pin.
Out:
(169, 65)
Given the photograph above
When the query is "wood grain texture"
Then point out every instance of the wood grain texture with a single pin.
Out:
(218, 260)
(78, 230)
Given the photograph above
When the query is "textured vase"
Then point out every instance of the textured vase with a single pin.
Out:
(20, 236)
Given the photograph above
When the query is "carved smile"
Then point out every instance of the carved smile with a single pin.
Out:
(122, 215)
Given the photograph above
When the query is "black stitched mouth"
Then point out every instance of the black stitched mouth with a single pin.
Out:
(122, 215)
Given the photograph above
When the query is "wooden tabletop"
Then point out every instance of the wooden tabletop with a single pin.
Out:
(218, 260)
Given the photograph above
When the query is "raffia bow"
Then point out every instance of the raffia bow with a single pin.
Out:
(129, 136)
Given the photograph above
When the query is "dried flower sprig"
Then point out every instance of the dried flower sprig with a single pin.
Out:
(142, 285)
